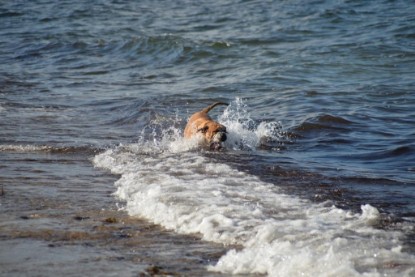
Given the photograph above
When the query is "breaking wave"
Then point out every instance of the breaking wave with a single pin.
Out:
(164, 180)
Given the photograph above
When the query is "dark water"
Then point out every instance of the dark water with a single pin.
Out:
(336, 78)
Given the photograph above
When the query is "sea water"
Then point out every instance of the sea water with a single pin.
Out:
(316, 177)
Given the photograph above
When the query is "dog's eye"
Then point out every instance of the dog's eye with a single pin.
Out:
(203, 130)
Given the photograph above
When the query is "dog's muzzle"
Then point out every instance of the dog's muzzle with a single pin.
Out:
(217, 140)
(219, 137)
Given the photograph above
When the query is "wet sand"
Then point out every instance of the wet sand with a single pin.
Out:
(58, 217)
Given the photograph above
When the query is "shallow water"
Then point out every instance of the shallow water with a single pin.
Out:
(319, 161)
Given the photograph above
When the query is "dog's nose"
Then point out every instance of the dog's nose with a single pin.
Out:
(222, 136)
(219, 137)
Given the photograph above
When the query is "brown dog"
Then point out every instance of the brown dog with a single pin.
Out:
(201, 123)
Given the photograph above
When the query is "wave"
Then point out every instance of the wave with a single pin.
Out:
(244, 133)
(7, 13)
(324, 122)
(152, 51)
(401, 151)
(275, 233)
(28, 148)
(168, 181)
(149, 50)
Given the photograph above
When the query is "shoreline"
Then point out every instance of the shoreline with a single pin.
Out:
(54, 223)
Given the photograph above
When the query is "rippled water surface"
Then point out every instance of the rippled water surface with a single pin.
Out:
(320, 157)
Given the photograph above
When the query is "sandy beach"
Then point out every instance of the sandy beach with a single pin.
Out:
(60, 216)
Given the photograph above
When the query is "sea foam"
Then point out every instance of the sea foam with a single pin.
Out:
(266, 230)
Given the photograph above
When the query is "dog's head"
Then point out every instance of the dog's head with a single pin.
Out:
(214, 134)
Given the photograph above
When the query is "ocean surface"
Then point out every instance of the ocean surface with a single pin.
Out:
(317, 177)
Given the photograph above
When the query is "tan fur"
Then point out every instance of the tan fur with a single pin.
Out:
(201, 123)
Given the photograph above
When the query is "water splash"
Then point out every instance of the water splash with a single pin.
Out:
(244, 133)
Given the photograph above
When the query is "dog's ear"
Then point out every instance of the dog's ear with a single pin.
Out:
(203, 129)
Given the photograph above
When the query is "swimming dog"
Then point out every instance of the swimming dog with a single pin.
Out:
(212, 132)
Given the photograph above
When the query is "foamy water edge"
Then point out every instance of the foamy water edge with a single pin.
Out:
(169, 182)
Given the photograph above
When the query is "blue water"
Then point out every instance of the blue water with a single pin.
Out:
(338, 76)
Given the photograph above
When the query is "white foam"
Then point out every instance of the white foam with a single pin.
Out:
(25, 148)
(279, 234)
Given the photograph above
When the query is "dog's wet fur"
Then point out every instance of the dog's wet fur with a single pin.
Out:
(213, 133)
